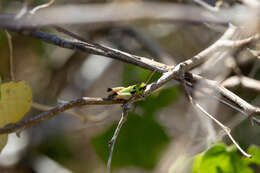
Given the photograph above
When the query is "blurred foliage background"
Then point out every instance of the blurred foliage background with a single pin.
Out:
(161, 130)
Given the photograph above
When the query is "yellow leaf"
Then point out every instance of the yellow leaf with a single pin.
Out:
(3, 141)
(0, 86)
(16, 100)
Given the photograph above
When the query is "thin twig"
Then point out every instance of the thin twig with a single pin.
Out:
(236, 121)
(96, 49)
(247, 107)
(57, 110)
(10, 45)
(257, 121)
(42, 6)
(220, 45)
(126, 107)
(113, 140)
(23, 11)
(83, 118)
(226, 129)
(105, 48)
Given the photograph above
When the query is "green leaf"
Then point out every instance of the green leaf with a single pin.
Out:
(139, 143)
(255, 152)
(196, 163)
(220, 159)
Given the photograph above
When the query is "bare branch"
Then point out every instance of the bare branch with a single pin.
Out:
(236, 108)
(57, 110)
(78, 114)
(237, 43)
(116, 133)
(169, 72)
(247, 107)
(24, 10)
(222, 44)
(226, 129)
(96, 49)
(243, 81)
